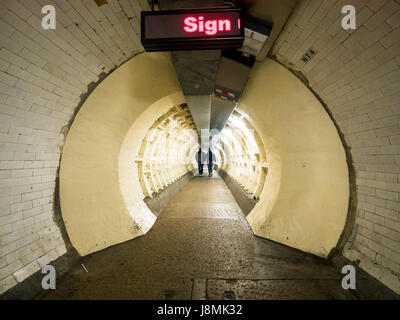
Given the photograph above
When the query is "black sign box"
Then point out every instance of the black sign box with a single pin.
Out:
(196, 29)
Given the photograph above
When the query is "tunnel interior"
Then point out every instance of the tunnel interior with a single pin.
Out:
(99, 144)
(159, 147)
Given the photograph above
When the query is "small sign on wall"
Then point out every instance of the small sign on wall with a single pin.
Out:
(308, 55)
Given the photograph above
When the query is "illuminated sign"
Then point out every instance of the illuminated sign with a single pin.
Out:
(192, 29)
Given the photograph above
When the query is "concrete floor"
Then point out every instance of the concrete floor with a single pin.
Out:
(201, 247)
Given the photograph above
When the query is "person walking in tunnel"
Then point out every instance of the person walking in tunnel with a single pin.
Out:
(200, 157)
(210, 158)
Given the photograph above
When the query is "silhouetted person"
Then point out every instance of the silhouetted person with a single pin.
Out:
(210, 158)
(200, 157)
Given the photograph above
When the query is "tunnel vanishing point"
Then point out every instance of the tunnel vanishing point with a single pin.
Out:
(98, 143)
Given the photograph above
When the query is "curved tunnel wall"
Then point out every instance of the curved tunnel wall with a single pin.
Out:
(100, 192)
(44, 74)
(162, 156)
(246, 160)
(304, 202)
(357, 74)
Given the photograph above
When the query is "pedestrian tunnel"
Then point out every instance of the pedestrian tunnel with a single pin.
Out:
(134, 137)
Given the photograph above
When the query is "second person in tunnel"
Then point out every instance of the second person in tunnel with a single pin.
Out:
(200, 158)
(210, 159)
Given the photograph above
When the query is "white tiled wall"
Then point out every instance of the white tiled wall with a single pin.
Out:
(357, 74)
(43, 73)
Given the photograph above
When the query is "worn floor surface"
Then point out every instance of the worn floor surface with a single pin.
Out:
(201, 247)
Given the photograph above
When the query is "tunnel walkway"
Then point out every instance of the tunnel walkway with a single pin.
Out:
(201, 247)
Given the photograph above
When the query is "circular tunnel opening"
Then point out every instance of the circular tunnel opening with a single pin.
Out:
(130, 143)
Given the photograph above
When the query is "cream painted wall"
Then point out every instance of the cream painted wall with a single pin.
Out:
(174, 164)
(130, 187)
(304, 202)
(100, 207)
(245, 159)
